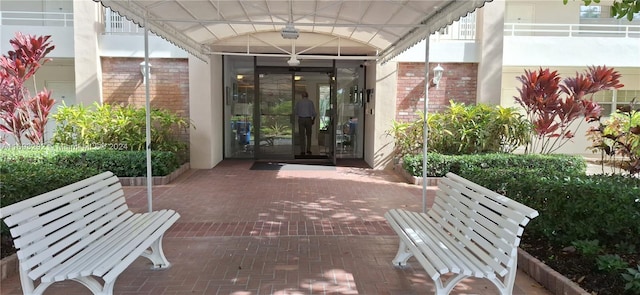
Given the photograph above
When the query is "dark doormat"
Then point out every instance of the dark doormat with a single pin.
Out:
(292, 166)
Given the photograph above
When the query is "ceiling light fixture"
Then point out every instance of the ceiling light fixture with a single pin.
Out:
(289, 32)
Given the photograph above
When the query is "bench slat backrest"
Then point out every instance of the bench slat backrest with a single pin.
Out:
(484, 222)
(51, 227)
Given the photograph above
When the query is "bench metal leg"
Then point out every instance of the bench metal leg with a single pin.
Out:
(95, 287)
(156, 255)
(444, 288)
(403, 255)
(505, 286)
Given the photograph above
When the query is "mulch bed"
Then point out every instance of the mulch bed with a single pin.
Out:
(582, 271)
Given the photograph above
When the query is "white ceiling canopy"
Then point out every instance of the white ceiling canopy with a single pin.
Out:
(379, 29)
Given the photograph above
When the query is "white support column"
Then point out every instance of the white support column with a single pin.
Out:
(206, 112)
(379, 115)
(489, 33)
(88, 69)
(147, 83)
(425, 136)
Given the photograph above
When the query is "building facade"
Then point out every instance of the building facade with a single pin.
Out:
(99, 53)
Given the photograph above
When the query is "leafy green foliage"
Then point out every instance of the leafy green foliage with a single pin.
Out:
(619, 135)
(611, 263)
(589, 248)
(438, 165)
(119, 127)
(121, 163)
(620, 8)
(21, 180)
(464, 129)
(29, 171)
(632, 279)
(553, 105)
(408, 136)
(572, 207)
(470, 129)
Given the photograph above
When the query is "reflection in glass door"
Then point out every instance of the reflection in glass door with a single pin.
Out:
(275, 135)
(277, 132)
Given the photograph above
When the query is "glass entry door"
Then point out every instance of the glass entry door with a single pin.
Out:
(275, 112)
(277, 133)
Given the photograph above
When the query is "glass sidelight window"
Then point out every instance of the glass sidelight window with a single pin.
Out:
(350, 110)
(238, 107)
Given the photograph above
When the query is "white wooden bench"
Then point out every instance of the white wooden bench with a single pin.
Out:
(470, 231)
(82, 232)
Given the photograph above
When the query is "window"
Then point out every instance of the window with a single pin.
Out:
(610, 100)
(591, 11)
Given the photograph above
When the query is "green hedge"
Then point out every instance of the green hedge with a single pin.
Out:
(28, 172)
(22, 180)
(121, 163)
(438, 165)
(571, 207)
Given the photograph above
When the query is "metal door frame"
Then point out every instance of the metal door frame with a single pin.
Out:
(330, 71)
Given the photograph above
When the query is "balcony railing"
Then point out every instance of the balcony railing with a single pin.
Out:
(572, 30)
(117, 24)
(36, 18)
(463, 29)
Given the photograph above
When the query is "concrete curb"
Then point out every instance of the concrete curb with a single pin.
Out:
(550, 279)
(157, 180)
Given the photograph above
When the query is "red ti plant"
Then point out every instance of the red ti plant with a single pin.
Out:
(553, 105)
(21, 114)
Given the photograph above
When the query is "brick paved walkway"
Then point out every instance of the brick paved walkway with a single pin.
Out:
(248, 232)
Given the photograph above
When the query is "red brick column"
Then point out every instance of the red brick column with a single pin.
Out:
(459, 83)
(122, 83)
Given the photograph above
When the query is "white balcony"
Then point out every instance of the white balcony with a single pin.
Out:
(571, 45)
(57, 24)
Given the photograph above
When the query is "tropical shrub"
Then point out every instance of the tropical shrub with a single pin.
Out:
(553, 106)
(572, 207)
(408, 136)
(20, 113)
(438, 165)
(118, 127)
(464, 129)
(619, 135)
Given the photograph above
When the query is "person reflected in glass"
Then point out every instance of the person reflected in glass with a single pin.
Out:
(306, 113)
(353, 126)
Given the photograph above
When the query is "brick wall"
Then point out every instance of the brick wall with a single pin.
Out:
(458, 83)
(122, 83)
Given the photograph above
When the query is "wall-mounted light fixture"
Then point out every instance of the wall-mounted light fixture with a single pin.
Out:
(144, 72)
(239, 77)
(437, 74)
